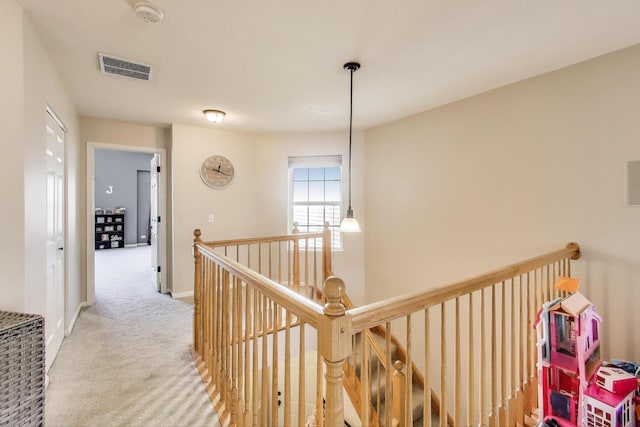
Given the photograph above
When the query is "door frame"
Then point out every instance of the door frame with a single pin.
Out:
(91, 149)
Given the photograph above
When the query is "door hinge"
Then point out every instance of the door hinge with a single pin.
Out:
(158, 218)
(158, 269)
(158, 169)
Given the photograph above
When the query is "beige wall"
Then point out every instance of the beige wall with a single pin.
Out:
(509, 174)
(29, 82)
(12, 266)
(272, 154)
(43, 86)
(129, 135)
(233, 208)
(256, 203)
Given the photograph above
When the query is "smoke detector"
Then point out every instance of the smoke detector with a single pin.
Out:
(147, 12)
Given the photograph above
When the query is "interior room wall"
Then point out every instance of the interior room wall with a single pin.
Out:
(43, 86)
(28, 83)
(128, 134)
(234, 207)
(12, 266)
(509, 174)
(272, 193)
(119, 170)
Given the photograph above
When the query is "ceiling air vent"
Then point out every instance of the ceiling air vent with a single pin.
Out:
(124, 67)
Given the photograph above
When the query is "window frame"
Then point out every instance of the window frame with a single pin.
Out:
(312, 162)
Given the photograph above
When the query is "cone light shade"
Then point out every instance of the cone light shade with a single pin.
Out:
(349, 224)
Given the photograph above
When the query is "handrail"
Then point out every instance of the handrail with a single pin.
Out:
(307, 310)
(371, 315)
(274, 239)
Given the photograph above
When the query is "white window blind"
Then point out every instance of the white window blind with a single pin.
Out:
(315, 194)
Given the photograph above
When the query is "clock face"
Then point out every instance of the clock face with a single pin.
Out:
(217, 172)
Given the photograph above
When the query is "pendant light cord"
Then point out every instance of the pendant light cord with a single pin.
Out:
(350, 131)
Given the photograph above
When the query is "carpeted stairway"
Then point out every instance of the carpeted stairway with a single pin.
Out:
(417, 392)
(127, 362)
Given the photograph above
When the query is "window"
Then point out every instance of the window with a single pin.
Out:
(315, 195)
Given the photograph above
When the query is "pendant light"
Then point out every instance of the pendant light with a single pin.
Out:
(349, 224)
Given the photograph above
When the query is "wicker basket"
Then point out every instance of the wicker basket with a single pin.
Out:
(22, 369)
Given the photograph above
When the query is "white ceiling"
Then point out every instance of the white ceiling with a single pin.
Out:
(276, 65)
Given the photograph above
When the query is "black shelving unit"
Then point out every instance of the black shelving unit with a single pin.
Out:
(109, 231)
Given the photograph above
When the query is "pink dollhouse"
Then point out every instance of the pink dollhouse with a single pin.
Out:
(573, 389)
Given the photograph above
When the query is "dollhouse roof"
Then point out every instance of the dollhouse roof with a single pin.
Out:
(573, 305)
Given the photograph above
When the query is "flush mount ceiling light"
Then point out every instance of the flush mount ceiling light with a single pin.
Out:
(349, 224)
(147, 12)
(214, 116)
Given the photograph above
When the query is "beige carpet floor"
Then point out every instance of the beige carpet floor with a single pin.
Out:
(127, 362)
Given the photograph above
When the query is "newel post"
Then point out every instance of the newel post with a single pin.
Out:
(197, 289)
(327, 269)
(335, 348)
(296, 258)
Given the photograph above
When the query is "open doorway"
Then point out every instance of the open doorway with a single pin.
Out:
(125, 203)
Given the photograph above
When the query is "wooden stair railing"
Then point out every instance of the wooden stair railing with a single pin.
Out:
(484, 342)
(246, 301)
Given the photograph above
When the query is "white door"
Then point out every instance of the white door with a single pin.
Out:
(156, 248)
(54, 319)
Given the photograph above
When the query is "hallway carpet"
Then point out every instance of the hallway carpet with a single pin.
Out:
(127, 362)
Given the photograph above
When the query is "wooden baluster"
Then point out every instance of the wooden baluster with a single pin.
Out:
(274, 367)
(470, 353)
(456, 368)
(226, 347)
(265, 389)
(270, 261)
(556, 293)
(528, 348)
(334, 345)
(327, 269)
(302, 378)
(378, 388)
(306, 269)
(399, 387)
(493, 404)
(388, 374)
(207, 305)
(502, 413)
(409, 382)
(482, 361)
(197, 289)
(365, 377)
(234, 350)
(218, 331)
(247, 342)
(296, 259)
(521, 348)
(256, 368)
(319, 391)
(443, 367)
(280, 262)
(427, 412)
(315, 293)
(287, 370)
(512, 361)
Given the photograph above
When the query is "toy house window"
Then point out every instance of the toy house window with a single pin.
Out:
(594, 330)
(565, 334)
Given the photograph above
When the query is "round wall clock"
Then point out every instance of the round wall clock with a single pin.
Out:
(217, 172)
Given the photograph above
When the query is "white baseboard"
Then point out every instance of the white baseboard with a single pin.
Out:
(175, 295)
(68, 331)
